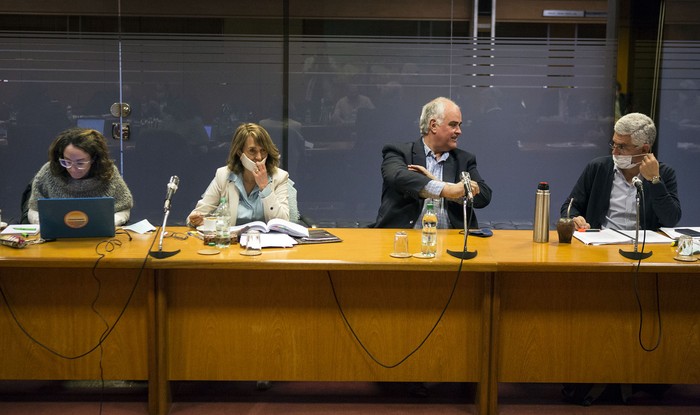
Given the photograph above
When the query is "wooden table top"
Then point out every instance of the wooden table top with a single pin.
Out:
(506, 250)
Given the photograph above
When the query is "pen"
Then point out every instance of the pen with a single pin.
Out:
(196, 235)
(592, 230)
(25, 229)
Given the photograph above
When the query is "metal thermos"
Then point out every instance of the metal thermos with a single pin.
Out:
(540, 230)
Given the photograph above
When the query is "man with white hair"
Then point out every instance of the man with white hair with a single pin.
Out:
(605, 194)
(430, 167)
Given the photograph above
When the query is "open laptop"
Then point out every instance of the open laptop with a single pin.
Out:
(92, 123)
(87, 217)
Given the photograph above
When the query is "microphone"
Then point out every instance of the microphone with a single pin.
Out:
(636, 255)
(172, 188)
(466, 179)
(637, 182)
(464, 254)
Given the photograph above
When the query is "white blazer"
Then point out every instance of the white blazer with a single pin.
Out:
(275, 205)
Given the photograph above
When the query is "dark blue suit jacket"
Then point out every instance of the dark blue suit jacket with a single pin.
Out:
(592, 196)
(401, 204)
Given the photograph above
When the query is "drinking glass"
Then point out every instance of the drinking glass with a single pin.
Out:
(400, 245)
(252, 243)
(685, 246)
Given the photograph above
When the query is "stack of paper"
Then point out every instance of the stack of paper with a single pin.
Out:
(272, 240)
(649, 237)
(274, 225)
(612, 236)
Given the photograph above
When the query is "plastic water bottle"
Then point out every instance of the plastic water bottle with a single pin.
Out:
(223, 224)
(428, 245)
(540, 230)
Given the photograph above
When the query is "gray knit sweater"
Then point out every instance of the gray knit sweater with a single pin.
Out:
(46, 185)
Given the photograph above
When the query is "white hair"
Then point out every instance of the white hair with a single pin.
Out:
(637, 125)
(434, 109)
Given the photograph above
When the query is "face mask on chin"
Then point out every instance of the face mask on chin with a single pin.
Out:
(625, 162)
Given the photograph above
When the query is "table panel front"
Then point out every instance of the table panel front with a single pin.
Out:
(287, 325)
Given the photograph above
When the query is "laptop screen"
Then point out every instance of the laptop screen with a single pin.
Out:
(92, 123)
(88, 217)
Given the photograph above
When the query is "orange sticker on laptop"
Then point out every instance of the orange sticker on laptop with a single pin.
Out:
(75, 219)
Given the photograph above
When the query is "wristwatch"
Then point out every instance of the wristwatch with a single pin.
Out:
(656, 180)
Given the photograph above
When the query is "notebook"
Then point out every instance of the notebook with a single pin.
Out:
(88, 217)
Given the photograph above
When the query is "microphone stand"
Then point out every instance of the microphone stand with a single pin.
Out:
(635, 255)
(464, 254)
(160, 254)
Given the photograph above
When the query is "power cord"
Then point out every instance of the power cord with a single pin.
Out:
(638, 298)
(427, 336)
(422, 342)
(109, 246)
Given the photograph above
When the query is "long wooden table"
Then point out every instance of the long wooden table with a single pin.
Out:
(519, 312)
(278, 316)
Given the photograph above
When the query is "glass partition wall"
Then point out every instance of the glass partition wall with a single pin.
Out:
(678, 119)
(535, 107)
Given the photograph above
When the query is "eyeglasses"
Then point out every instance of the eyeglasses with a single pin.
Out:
(622, 147)
(80, 165)
(177, 235)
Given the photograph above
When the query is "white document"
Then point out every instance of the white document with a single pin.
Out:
(21, 229)
(140, 227)
(272, 240)
(649, 237)
(612, 236)
(602, 237)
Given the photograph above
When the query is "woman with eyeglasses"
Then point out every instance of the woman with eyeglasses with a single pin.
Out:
(79, 166)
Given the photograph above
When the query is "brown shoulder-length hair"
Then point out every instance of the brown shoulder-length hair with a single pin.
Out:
(262, 138)
(91, 142)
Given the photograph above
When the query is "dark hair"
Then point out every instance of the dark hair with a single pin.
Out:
(91, 142)
(262, 138)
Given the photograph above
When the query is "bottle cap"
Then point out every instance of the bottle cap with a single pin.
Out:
(543, 186)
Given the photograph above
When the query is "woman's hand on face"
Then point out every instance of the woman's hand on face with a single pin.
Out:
(260, 174)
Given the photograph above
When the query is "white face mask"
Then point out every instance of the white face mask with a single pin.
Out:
(625, 162)
(248, 163)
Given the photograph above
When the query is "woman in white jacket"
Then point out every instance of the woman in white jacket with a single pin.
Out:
(252, 182)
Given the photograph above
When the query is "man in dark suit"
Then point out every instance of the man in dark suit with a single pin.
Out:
(430, 167)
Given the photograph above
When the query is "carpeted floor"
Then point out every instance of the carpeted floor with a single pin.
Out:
(349, 398)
